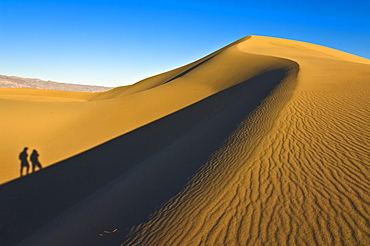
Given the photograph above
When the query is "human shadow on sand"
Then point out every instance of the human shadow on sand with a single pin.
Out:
(34, 158)
(23, 157)
(118, 184)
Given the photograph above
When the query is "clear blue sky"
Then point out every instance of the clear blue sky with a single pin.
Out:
(114, 43)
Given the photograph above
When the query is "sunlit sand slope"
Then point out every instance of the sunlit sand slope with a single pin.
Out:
(62, 124)
(301, 178)
(118, 184)
(263, 142)
(180, 117)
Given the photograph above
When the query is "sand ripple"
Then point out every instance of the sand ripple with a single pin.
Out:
(297, 177)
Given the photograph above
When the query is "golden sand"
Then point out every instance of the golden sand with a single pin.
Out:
(294, 169)
(298, 178)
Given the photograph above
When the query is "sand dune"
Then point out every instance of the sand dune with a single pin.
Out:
(263, 142)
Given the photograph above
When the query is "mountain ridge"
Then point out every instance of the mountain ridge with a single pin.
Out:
(34, 83)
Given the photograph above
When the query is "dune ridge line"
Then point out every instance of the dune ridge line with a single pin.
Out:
(263, 142)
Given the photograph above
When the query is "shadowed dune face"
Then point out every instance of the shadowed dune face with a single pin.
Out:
(63, 124)
(237, 148)
(302, 181)
(127, 170)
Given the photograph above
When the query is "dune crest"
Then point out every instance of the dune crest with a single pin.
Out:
(263, 142)
(63, 124)
(303, 181)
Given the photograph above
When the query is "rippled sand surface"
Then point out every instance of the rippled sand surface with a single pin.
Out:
(263, 142)
(291, 174)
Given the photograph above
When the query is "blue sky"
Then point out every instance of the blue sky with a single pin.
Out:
(114, 43)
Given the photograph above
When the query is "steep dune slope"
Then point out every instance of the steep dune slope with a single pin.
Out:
(302, 179)
(263, 142)
(62, 124)
(237, 86)
(120, 183)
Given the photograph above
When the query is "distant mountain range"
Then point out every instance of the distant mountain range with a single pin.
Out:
(18, 82)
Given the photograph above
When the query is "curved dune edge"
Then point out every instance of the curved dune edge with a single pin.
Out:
(294, 169)
(62, 124)
(138, 178)
(134, 193)
(302, 182)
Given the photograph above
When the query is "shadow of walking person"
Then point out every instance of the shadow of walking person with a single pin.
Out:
(24, 162)
(35, 160)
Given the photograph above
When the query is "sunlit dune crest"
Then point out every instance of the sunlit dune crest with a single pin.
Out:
(263, 142)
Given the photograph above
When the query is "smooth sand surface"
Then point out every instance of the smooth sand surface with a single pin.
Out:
(263, 142)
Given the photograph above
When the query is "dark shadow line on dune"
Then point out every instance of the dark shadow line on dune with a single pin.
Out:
(145, 167)
(190, 69)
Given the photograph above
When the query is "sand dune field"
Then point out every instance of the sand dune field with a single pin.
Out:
(263, 142)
